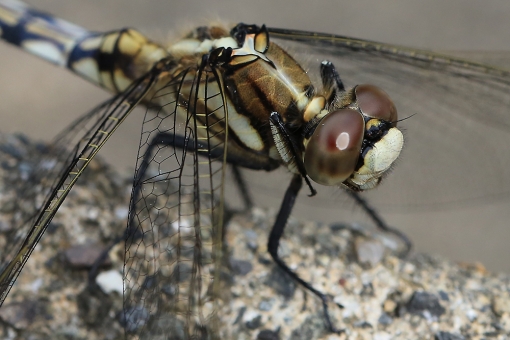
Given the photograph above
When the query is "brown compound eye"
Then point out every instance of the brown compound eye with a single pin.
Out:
(375, 103)
(333, 150)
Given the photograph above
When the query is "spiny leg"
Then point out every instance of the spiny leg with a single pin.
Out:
(380, 223)
(242, 186)
(274, 242)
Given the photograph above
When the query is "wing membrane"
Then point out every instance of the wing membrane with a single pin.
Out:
(174, 241)
(92, 131)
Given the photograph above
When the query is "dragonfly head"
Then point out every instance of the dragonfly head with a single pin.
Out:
(355, 144)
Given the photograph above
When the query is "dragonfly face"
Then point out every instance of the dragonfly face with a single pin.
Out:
(242, 98)
(356, 145)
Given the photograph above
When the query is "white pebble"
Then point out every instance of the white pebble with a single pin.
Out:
(110, 281)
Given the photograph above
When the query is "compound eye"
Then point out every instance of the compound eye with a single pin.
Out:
(375, 103)
(333, 150)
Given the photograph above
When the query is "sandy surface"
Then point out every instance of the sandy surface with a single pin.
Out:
(383, 296)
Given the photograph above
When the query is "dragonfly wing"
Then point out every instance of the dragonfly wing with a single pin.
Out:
(53, 176)
(458, 118)
(175, 221)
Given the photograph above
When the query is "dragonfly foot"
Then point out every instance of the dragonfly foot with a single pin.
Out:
(327, 317)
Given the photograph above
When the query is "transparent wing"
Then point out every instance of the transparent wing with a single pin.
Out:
(458, 125)
(55, 172)
(175, 222)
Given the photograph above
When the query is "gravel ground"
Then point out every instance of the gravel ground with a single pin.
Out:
(384, 297)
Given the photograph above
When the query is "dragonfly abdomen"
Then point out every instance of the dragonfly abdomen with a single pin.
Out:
(112, 60)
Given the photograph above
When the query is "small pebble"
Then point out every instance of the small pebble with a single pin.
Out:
(385, 319)
(422, 302)
(121, 213)
(471, 315)
(389, 306)
(110, 281)
(241, 267)
(382, 336)
(134, 318)
(369, 251)
(501, 304)
(443, 296)
(281, 282)
(265, 305)
(448, 336)
(252, 319)
(84, 256)
(267, 334)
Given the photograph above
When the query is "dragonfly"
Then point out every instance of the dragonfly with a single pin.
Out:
(197, 93)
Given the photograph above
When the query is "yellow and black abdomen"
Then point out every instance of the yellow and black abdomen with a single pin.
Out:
(112, 60)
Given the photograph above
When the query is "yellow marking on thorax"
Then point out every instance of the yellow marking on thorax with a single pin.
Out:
(242, 127)
(314, 107)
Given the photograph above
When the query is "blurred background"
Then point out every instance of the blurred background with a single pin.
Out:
(39, 99)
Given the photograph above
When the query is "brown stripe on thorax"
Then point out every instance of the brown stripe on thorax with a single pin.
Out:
(261, 88)
(257, 89)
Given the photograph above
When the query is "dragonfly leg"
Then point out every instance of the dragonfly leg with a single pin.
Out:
(242, 187)
(380, 223)
(331, 81)
(274, 241)
(287, 145)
